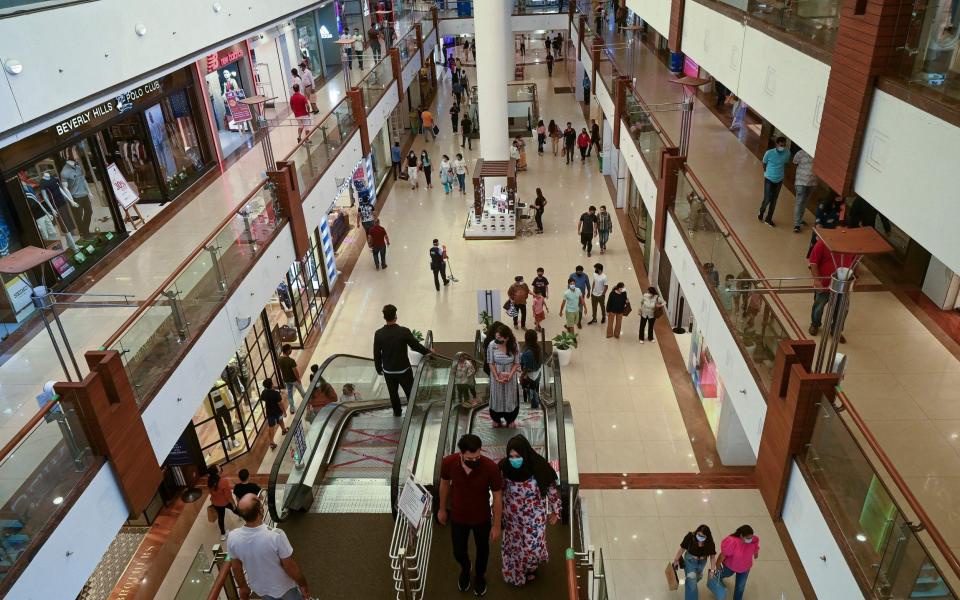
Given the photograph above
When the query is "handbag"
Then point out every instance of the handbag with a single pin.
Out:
(627, 309)
(211, 513)
(510, 308)
(673, 580)
(436, 130)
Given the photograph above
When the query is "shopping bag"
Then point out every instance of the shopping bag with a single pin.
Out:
(673, 580)
(211, 513)
(627, 309)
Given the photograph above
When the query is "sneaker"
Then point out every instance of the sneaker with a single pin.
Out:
(384, 266)
(463, 582)
(603, 320)
(223, 537)
(814, 330)
(760, 217)
(770, 223)
(641, 340)
(796, 229)
(480, 587)
(591, 321)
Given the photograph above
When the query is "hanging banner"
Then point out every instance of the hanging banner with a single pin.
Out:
(126, 196)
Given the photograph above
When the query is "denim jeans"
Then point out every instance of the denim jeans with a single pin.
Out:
(462, 182)
(693, 571)
(820, 300)
(604, 237)
(290, 386)
(771, 190)
(719, 589)
(291, 594)
(802, 193)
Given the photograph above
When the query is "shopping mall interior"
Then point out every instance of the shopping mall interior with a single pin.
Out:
(718, 230)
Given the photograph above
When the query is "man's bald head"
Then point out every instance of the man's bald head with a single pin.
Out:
(249, 508)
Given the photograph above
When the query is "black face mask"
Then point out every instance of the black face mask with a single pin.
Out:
(472, 463)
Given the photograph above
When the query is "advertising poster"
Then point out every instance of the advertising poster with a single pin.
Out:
(239, 112)
(126, 196)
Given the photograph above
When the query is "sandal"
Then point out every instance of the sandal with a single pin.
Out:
(273, 446)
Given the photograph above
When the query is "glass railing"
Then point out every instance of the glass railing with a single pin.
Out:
(880, 540)
(200, 577)
(645, 132)
(724, 264)
(375, 83)
(408, 46)
(607, 73)
(455, 9)
(539, 7)
(300, 446)
(41, 470)
(159, 334)
(926, 61)
(814, 21)
(322, 145)
(434, 385)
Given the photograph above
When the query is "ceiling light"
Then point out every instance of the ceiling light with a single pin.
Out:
(217, 7)
(141, 29)
(58, 500)
(13, 66)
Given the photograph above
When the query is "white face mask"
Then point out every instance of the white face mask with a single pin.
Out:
(573, 286)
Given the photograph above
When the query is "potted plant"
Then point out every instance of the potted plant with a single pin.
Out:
(413, 355)
(487, 320)
(564, 343)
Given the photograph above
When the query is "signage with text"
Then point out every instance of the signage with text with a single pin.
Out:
(119, 105)
(126, 196)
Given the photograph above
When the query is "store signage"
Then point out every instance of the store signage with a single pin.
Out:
(224, 58)
(325, 33)
(119, 105)
(126, 196)
(19, 295)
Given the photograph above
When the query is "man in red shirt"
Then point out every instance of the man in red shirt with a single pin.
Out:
(378, 240)
(823, 264)
(466, 480)
(300, 107)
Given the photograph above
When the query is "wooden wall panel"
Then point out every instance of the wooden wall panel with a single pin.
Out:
(674, 37)
(291, 204)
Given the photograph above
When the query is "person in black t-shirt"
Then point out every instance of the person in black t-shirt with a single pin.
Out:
(541, 285)
(273, 406)
(587, 228)
(695, 550)
(245, 486)
(569, 141)
(437, 264)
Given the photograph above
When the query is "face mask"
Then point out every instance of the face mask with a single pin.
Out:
(471, 462)
(748, 540)
(516, 462)
(573, 286)
(500, 340)
(701, 538)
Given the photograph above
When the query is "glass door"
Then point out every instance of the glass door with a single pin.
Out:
(127, 144)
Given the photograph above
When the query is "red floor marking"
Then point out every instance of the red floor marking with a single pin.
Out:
(363, 457)
(371, 436)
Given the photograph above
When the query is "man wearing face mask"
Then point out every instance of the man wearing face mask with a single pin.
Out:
(572, 306)
(774, 161)
(467, 479)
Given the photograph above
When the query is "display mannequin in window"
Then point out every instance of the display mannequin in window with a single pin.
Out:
(75, 180)
(220, 406)
(57, 195)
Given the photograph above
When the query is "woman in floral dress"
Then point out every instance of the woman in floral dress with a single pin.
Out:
(530, 501)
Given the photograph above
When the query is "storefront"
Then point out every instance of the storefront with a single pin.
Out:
(76, 185)
(380, 157)
(639, 217)
(230, 78)
(706, 380)
(231, 414)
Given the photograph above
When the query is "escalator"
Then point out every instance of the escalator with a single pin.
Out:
(548, 429)
(330, 485)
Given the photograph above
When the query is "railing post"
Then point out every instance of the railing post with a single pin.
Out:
(596, 50)
(791, 413)
(418, 27)
(670, 165)
(397, 70)
(291, 205)
(215, 258)
(360, 116)
(179, 320)
(435, 17)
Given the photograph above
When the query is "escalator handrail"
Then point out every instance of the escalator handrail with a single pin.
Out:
(297, 421)
(559, 411)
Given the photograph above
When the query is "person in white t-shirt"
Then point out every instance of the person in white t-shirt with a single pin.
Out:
(358, 47)
(263, 558)
(598, 294)
(309, 86)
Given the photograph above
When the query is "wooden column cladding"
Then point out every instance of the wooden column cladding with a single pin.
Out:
(620, 88)
(675, 34)
(355, 97)
(435, 17)
(581, 27)
(869, 34)
(288, 196)
(397, 70)
(670, 165)
(108, 411)
(595, 49)
(418, 27)
(791, 412)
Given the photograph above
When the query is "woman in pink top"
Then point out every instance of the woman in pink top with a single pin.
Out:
(737, 553)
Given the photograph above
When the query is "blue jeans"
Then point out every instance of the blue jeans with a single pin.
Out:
(604, 236)
(820, 300)
(693, 571)
(718, 588)
(462, 180)
(802, 193)
(290, 386)
(291, 594)
(771, 191)
(447, 186)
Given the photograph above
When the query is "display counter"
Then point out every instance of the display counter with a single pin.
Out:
(498, 219)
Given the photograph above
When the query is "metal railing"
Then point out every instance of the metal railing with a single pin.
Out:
(410, 556)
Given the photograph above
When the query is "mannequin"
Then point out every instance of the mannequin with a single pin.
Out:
(60, 198)
(75, 180)
(222, 404)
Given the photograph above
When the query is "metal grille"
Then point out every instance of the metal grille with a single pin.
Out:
(353, 496)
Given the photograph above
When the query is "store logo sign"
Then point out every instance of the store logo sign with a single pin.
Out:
(325, 33)
(119, 105)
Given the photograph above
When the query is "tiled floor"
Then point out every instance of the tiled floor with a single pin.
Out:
(640, 531)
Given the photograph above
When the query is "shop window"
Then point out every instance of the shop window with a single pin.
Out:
(126, 144)
(175, 141)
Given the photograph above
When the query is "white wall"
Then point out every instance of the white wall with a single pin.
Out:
(830, 578)
(317, 204)
(74, 53)
(180, 396)
(552, 22)
(604, 97)
(410, 70)
(905, 172)
(781, 83)
(379, 114)
(65, 561)
(638, 171)
(656, 13)
(745, 394)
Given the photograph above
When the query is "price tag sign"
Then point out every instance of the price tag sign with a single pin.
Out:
(126, 197)
(414, 502)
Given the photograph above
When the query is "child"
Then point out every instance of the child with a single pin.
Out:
(465, 380)
(540, 309)
(350, 394)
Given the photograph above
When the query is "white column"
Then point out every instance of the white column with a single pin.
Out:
(490, 21)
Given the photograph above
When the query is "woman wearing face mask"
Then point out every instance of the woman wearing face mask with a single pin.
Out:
(503, 357)
(737, 553)
(695, 550)
(427, 167)
(530, 501)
